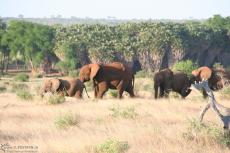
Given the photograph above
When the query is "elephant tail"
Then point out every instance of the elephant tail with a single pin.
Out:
(86, 91)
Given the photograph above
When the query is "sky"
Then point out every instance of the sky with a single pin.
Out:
(120, 9)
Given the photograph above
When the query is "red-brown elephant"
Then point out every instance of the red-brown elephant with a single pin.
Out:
(71, 87)
(217, 78)
(108, 76)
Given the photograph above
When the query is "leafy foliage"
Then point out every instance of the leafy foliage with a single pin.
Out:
(127, 113)
(56, 99)
(185, 66)
(112, 146)
(24, 95)
(206, 133)
(21, 77)
(66, 120)
(79, 44)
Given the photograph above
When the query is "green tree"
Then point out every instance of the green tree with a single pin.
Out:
(4, 47)
(185, 66)
(31, 41)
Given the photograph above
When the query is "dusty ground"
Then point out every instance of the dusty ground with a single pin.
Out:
(157, 125)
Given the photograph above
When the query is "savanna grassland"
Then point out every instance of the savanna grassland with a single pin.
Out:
(138, 125)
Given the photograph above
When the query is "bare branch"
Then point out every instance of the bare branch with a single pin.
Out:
(212, 103)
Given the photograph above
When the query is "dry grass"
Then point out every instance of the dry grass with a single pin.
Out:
(158, 125)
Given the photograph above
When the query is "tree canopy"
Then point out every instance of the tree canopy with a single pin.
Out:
(152, 43)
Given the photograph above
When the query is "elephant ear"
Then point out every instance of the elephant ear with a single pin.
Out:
(94, 69)
(55, 84)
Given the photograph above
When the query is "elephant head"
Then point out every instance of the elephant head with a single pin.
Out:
(163, 80)
(88, 72)
(202, 73)
(212, 75)
(50, 85)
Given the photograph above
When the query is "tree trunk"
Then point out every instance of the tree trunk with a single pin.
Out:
(17, 64)
(6, 64)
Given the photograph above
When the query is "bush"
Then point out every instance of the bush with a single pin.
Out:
(148, 87)
(89, 86)
(174, 95)
(73, 73)
(185, 66)
(2, 89)
(56, 99)
(218, 66)
(38, 75)
(66, 120)
(24, 95)
(128, 112)
(113, 93)
(21, 77)
(112, 146)
(206, 134)
(15, 87)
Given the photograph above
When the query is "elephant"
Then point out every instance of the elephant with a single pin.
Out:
(69, 86)
(216, 78)
(181, 84)
(167, 80)
(113, 75)
(202, 73)
(163, 80)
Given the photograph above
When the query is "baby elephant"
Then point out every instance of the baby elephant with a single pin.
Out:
(70, 87)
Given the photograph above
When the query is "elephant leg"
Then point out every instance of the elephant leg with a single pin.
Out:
(166, 93)
(78, 94)
(156, 90)
(120, 93)
(102, 88)
(121, 88)
(96, 89)
(131, 92)
(162, 91)
(129, 89)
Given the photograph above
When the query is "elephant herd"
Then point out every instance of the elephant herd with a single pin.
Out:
(121, 77)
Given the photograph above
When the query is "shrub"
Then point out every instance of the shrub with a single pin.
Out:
(128, 112)
(89, 86)
(218, 66)
(66, 120)
(38, 75)
(18, 87)
(148, 87)
(24, 95)
(174, 95)
(73, 73)
(56, 99)
(112, 146)
(206, 133)
(21, 77)
(185, 66)
(2, 89)
(113, 93)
